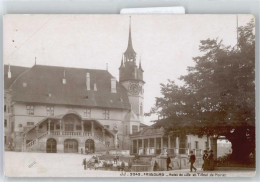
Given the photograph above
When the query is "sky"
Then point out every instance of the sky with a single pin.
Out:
(165, 44)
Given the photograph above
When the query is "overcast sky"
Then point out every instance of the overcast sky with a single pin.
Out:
(165, 43)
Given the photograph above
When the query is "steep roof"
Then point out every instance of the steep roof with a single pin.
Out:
(16, 71)
(149, 131)
(43, 84)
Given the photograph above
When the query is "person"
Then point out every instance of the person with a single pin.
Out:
(192, 161)
(168, 162)
(211, 160)
(84, 163)
(115, 159)
(130, 165)
(205, 161)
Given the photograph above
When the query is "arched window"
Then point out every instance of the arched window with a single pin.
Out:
(141, 108)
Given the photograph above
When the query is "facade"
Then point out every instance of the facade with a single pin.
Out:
(61, 109)
(151, 141)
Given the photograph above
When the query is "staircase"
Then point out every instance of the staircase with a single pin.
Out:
(96, 137)
(29, 146)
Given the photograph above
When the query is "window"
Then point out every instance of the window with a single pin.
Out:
(78, 127)
(106, 126)
(196, 145)
(4, 108)
(50, 110)
(5, 140)
(57, 126)
(20, 125)
(189, 145)
(206, 145)
(134, 129)
(30, 109)
(5, 123)
(106, 114)
(141, 108)
(87, 113)
(69, 127)
(30, 123)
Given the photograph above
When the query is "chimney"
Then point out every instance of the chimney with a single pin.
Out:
(64, 78)
(88, 81)
(9, 75)
(107, 66)
(113, 85)
(95, 87)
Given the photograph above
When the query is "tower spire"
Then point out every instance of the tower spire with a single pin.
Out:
(122, 61)
(130, 54)
(9, 75)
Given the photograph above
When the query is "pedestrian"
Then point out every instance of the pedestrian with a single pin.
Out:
(192, 161)
(205, 161)
(168, 162)
(115, 159)
(84, 163)
(211, 160)
(130, 165)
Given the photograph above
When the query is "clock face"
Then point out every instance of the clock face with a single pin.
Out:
(134, 88)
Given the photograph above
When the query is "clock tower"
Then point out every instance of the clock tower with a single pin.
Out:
(131, 77)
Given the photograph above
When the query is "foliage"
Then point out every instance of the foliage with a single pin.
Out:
(218, 95)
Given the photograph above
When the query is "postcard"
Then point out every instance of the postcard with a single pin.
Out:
(129, 95)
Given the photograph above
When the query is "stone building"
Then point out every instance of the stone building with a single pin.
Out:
(152, 141)
(62, 109)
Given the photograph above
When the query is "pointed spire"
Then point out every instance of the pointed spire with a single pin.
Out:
(140, 64)
(122, 61)
(130, 53)
(64, 81)
(35, 60)
(9, 75)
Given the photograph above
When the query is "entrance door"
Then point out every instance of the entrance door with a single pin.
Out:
(70, 146)
(89, 146)
(51, 146)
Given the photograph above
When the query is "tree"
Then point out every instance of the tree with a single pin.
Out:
(218, 95)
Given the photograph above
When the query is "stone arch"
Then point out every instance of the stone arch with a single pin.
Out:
(71, 146)
(51, 145)
(89, 146)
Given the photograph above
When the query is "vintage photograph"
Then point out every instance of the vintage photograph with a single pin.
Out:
(129, 96)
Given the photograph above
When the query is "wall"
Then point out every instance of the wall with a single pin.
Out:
(118, 118)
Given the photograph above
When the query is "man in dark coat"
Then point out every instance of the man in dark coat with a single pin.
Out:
(168, 163)
(84, 163)
(192, 161)
(211, 160)
(205, 161)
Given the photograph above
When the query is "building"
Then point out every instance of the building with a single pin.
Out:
(152, 141)
(61, 109)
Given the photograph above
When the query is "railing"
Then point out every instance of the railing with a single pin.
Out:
(70, 133)
(31, 143)
(76, 133)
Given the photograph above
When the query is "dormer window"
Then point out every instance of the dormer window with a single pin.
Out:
(87, 113)
(50, 110)
(30, 109)
(106, 114)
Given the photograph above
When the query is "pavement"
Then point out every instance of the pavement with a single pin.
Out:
(25, 164)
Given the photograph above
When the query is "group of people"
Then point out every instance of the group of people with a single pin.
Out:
(95, 163)
(94, 159)
(208, 161)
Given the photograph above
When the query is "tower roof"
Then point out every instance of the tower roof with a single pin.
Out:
(130, 53)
